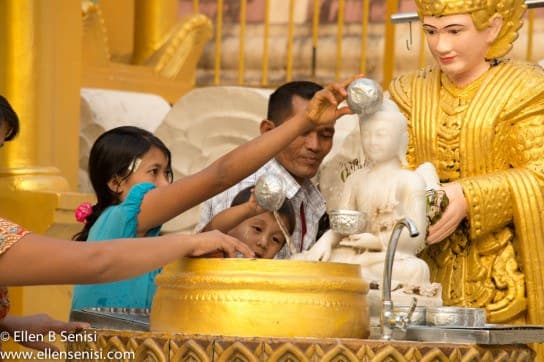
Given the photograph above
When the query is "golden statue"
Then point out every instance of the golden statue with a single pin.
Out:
(480, 120)
(166, 51)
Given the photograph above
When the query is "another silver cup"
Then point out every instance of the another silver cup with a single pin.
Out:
(347, 222)
(270, 191)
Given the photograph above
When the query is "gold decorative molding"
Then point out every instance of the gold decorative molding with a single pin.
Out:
(156, 346)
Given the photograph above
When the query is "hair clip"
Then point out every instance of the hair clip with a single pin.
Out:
(83, 211)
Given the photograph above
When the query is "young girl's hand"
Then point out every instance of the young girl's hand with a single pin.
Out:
(213, 242)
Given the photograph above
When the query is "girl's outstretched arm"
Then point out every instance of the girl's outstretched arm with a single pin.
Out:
(164, 203)
(37, 259)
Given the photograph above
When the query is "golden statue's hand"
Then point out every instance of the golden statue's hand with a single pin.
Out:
(452, 216)
(323, 107)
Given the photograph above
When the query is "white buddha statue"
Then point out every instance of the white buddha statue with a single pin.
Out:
(385, 192)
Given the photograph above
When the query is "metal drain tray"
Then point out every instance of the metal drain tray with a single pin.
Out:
(488, 334)
(113, 318)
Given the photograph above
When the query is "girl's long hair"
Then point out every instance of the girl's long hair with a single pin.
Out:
(113, 155)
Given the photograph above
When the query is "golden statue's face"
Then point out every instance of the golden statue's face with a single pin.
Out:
(458, 47)
(482, 12)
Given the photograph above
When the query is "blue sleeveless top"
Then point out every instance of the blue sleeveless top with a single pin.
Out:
(116, 222)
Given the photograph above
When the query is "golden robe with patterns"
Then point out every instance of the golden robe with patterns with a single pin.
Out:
(489, 137)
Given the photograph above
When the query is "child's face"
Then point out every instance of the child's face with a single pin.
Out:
(152, 167)
(262, 234)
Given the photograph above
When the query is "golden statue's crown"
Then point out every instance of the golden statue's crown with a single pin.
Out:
(449, 7)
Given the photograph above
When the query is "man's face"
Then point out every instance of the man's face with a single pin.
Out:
(303, 156)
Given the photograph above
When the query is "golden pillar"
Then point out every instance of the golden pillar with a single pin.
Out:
(153, 24)
(40, 62)
(391, 7)
(119, 22)
(40, 65)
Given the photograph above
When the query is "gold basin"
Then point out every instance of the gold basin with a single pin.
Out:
(261, 298)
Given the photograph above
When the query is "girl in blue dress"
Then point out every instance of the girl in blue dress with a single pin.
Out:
(131, 173)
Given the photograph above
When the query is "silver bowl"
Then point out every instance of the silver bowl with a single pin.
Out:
(455, 316)
(347, 222)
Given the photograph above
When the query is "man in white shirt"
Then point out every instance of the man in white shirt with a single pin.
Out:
(296, 164)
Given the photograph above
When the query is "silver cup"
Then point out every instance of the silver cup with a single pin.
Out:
(364, 96)
(270, 191)
(347, 222)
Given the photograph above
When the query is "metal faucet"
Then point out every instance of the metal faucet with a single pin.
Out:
(388, 319)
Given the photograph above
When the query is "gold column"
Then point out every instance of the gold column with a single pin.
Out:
(392, 7)
(242, 49)
(153, 22)
(218, 42)
(264, 77)
(339, 38)
(40, 71)
(118, 18)
(365, 18)
(290, 36)
(315, 37)
(40, 61)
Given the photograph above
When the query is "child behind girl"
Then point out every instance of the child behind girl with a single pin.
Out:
(130, 170)
(253, 225)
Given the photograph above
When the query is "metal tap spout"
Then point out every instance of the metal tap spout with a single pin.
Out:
(388, 320)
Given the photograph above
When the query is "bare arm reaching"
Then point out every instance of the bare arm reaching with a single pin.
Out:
(53, 261)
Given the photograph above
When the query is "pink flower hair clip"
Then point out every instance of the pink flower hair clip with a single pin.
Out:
(83, 211)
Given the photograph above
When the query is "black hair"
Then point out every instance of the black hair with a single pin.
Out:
(8, 115)
(280, 105)
(286, 208)
(113, 155)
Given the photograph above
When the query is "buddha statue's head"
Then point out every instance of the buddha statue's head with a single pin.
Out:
(384, 134)
(482, 11)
